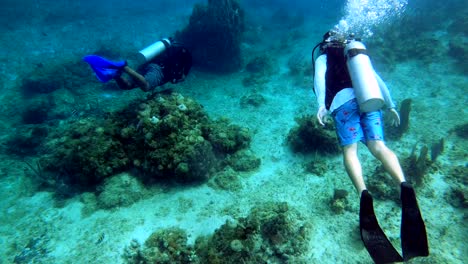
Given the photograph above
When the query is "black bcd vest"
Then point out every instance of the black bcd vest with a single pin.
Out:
(337, 76)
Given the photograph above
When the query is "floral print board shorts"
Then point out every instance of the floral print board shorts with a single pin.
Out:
(352, 126)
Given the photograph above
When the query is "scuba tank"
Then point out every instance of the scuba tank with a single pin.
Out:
(366, 87)
(155, 49)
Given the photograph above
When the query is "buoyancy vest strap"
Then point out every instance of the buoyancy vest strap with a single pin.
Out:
(353, 52)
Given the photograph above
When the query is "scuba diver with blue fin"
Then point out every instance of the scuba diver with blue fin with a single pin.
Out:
(347, 87)
(162, 62)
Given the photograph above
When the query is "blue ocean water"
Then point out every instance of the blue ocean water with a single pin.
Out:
(89, 176)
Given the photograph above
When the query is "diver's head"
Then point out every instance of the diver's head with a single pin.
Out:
(334, 36)
(335, 39)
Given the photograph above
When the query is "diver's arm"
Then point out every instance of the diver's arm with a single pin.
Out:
(385, 92)
(319, 79)
(319, 87)
(394, 116)
(139, 79)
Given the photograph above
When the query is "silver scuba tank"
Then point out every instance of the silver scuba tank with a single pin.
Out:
(366, 87)
(154, 49)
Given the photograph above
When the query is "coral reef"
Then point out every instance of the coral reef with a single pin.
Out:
(228, 180)
(36, 113)
(297, 64)
(26, 141)
(35, 251)
(310, 137)
(416, 166)
(436, 149)
(339, 202)
(169, 137)
(244, 160)
(63, 74)
(120, 190)
(457, 195)
(382, 185)
(260, 65)
(457, 43)
(316, 165)
(225, 137)
(86, 152)
(394, 133)
(35, 85)
(461, 130)
(271, 233)
(165, 246)
(253, 99)
(259, 69)
(214, 35)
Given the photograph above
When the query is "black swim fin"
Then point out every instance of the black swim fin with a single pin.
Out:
(413, 230)
(375, 240)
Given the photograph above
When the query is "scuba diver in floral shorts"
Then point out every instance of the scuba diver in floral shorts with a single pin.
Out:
(347, 87)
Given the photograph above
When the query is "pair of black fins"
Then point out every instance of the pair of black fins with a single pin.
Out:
(413, 230)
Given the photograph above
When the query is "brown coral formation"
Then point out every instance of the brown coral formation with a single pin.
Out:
(271, 233)
(165, 138)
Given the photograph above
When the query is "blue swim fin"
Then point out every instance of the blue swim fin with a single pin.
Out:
(105, 69)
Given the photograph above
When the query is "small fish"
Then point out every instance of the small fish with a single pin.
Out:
(100, 238)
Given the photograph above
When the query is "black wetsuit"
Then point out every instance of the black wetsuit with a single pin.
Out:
(171, 66)
(174, 63)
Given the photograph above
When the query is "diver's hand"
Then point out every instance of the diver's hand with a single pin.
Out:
(394, 117)
(322, 115)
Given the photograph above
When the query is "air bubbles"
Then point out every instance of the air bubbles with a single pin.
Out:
(362, 16)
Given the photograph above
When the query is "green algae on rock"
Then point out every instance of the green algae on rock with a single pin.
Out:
(273, 232)
(169, 137)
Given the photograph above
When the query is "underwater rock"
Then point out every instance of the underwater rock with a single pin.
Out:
(259, 70)
(297, 64)
(254, 99)
(120, 190)
(458, 50)
(165, 246)
(310, 137)
(35, 251)
(339, 202)
(458, 197)
(272, 233)
(457, 177)
(225, 137)
(85, 152)
(260, 65)
(26, 140)
(382, 185)
(183, 145)
(416, 166)
(461, 130)
(316, 166)
(47, 78)
(244, 160)
(36, 113)
(228, 180)
(90, 204)
(436, 149)
(214, 35)
(31, 87)
(133, 253)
